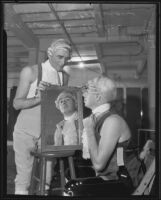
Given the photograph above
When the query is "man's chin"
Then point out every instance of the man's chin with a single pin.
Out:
(60, 69)
(64, 111)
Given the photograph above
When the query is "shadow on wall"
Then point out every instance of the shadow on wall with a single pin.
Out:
(12, 114)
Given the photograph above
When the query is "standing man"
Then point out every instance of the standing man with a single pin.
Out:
(27, 128)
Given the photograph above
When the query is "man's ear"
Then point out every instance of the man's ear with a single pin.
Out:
(49, 52)
(98, 97)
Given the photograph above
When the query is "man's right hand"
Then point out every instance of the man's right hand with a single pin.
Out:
(41, 87)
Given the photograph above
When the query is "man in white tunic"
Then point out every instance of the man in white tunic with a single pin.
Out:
(67, 130)
(27, 99)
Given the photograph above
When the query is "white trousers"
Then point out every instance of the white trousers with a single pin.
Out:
(23, 144)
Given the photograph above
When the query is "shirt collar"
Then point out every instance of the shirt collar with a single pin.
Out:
(48, 65)
(74, 116)
(101, 109)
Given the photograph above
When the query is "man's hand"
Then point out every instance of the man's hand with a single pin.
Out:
(41, 87)
(89, 125)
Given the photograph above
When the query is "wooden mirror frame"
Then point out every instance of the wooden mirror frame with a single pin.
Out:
(48, 100)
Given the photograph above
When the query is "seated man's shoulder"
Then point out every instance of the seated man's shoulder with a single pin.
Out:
(115, 118)
(118, 123)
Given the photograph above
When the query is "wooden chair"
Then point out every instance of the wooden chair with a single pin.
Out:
(80, 186)
(146, 183)
(145, 186)
(50, 116)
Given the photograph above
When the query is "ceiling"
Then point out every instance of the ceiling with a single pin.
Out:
(111, 38)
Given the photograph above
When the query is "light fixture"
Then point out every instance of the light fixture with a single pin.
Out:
(141, 113)
(81, 65)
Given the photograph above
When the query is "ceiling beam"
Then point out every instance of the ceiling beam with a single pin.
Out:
(100, 56)
(45, 42)
(99, 19)
(122, 63)
(101, 32)
(21, 31)
(112, 59)
(60, 11)
(37, 20)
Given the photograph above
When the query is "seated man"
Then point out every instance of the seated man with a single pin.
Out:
(112, 132)
(67, 130)
(105, 136)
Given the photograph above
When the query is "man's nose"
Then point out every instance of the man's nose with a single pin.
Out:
(63, 62)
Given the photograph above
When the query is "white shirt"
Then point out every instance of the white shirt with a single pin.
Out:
(69, 131)
(29, 120)
(74, 116)
(50, 75)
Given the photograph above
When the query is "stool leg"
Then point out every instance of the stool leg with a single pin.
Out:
(31, 189)
(62, 176)
(42, 176)
(71, 167)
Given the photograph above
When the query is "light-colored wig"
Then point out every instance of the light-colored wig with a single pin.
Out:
(65, 94)
(59, 44)
(105, 86)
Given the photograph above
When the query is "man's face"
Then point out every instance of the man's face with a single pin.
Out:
(67, 106)
(89, 97)
(59, 58)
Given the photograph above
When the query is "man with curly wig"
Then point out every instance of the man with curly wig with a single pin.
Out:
(67, 130)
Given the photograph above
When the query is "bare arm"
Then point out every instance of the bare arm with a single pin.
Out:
(27, 76)
(110, 134)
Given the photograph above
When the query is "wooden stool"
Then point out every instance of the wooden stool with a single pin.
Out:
(42, 158)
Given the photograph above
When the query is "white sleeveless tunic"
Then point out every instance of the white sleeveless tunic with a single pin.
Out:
(29, 120)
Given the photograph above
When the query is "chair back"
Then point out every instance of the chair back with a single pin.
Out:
(148, 157)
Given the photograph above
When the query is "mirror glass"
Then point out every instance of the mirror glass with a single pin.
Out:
(61, 118)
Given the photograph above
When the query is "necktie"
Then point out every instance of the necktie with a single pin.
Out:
(59, 81)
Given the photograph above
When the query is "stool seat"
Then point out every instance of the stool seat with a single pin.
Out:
(42, 158)
(53, 154)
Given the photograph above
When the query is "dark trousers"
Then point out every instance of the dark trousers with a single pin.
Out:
(96, 186)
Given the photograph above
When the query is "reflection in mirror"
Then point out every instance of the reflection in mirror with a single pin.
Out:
(61, 118)
(67, 130)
